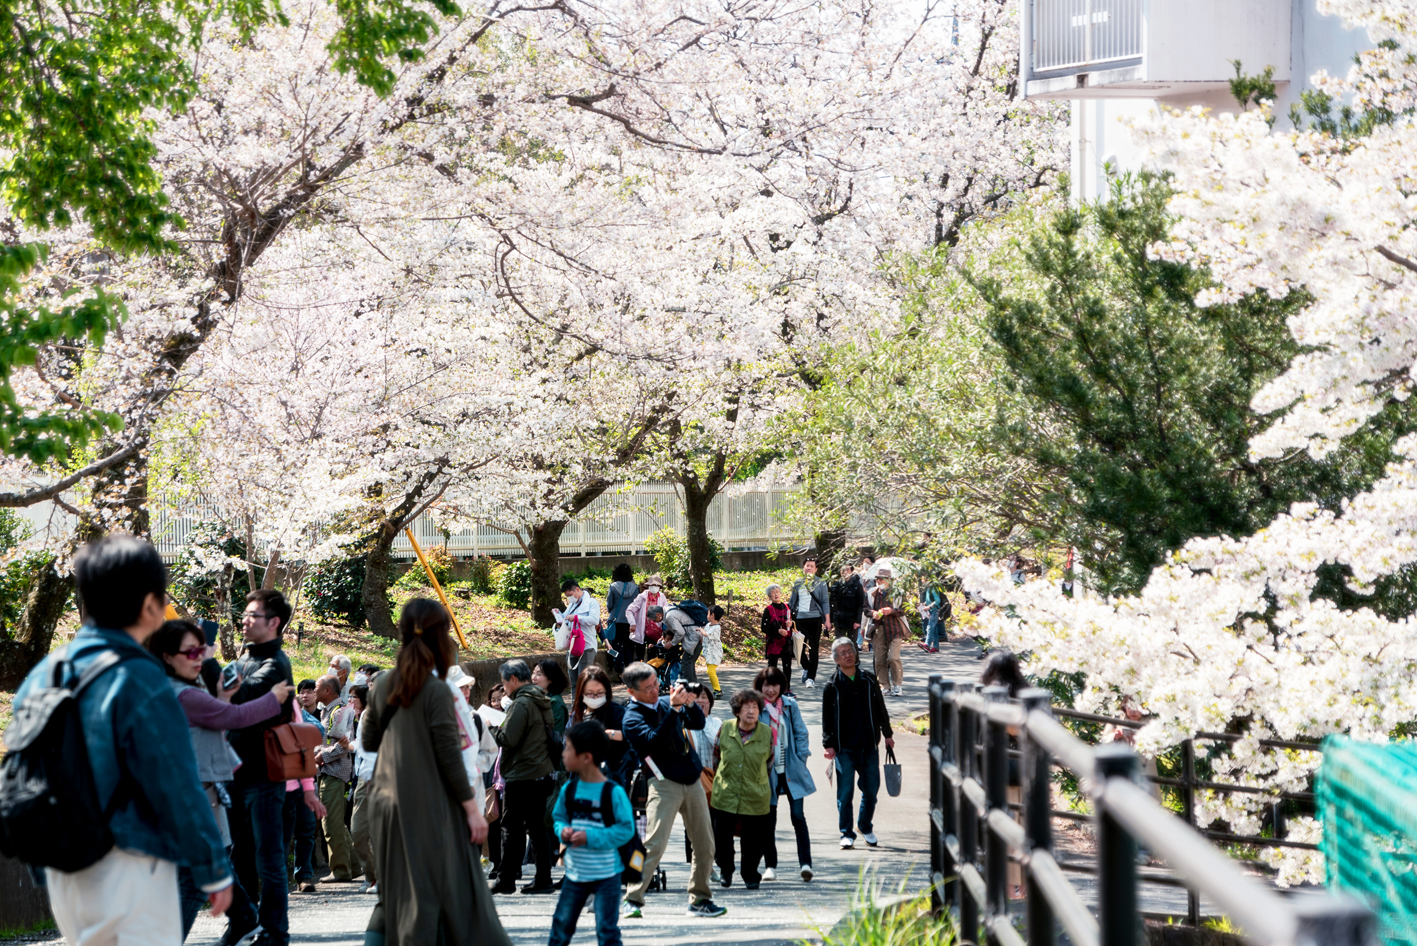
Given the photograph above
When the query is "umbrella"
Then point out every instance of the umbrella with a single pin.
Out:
(899, 568)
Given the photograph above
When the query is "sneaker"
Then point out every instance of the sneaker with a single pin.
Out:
(239, 934)
(811, 683)
(308, 887)
(706, 908)
(870, 838)
(632, 910)
(769, 874)
(373, 888)
(896, 691)
(752, 886)
(806, 872)
(847, 842)
(718, 694)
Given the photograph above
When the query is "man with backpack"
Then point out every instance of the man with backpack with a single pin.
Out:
(525, 738)
(595, 822)
(125, 803)
(684, 626)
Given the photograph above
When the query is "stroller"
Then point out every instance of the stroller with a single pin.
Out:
(662, 655)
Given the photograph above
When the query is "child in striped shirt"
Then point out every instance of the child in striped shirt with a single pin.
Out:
(592, 836)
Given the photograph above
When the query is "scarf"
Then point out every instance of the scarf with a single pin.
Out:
(780, 613)
(775, 712)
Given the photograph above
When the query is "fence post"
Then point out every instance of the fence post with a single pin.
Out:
(1118, 919)
(941, 861)
(1037, 771)
(996, 792)
(1188, 807)
(966, 759)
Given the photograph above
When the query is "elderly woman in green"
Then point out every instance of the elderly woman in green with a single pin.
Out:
(742, 795)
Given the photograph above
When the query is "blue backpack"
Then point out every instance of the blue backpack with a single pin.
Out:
(632, 852)
(696, 610)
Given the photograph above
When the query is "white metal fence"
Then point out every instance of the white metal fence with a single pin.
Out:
(1072, 33)
(618, 522)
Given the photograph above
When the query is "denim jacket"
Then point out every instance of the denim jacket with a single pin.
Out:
(136, 734)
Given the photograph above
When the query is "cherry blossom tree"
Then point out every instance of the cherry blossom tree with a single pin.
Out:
(1230, 629)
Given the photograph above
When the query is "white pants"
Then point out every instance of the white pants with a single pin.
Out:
(123, 900)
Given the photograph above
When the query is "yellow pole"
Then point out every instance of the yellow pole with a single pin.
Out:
(436, 587)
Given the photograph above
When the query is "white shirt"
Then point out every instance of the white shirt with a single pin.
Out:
(588, 610)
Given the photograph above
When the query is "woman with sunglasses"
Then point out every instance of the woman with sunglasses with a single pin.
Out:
(182, 648)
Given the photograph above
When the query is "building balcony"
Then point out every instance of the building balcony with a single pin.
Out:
(1153, 49)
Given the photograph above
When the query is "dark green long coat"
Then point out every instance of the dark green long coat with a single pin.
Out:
(431, 887)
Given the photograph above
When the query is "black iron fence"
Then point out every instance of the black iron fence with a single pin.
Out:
(974, 836)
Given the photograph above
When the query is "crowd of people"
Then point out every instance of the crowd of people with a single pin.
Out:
(389, 765)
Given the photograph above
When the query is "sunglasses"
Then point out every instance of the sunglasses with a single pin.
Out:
(196, 653)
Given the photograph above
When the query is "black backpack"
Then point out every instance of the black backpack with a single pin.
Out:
(632, 852)
(49, 810)
(697, 611)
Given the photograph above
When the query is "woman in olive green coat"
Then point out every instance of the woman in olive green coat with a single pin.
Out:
(425, 824)
(742, 796)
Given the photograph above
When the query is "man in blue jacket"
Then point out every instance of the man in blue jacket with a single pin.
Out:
(657, 728)
(139, 748)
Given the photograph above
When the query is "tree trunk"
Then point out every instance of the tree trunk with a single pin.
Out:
(544, 555)
(45, 604)
(830, 544)
(696, 507)
(375, 596)
(226, 625)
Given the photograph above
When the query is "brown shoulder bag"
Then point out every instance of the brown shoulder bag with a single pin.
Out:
(290, 751)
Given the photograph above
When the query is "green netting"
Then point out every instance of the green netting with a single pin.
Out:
(1367, 800)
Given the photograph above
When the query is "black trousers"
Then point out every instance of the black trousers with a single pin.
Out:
(785, 659)
(754, 831)
(626, 647)
(524, 815)
(811, 629)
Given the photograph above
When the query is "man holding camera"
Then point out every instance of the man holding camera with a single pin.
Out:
(657, 728)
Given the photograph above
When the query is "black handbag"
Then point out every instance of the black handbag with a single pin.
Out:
(892, 772)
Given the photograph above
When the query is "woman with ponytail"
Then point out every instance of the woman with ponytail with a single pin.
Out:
(425, 823)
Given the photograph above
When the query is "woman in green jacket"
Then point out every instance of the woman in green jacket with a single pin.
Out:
(742, 796)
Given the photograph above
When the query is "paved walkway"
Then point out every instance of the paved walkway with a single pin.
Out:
(781, 912)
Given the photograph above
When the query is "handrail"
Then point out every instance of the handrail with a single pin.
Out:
(974, 834)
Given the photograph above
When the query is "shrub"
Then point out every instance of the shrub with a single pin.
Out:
(479, 575)
(460, 589)
(416, 577)
(671, 556)
(335, 589)
(514, 584)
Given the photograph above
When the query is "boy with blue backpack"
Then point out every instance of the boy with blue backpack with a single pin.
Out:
(597, 826)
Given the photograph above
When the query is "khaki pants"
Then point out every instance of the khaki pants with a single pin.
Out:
(127, 899)
(667, 799)
(336, 832)
(359, 830)
(886, 658)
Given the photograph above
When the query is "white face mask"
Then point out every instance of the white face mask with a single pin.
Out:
(506, 702)
(361, 679)
(595, 702)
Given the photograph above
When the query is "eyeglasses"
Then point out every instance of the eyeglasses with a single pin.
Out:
(196, 653)
(257, 615)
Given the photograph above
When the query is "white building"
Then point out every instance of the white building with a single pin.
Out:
(1118, 58)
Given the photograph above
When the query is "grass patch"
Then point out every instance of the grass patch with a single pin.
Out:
(899, 922)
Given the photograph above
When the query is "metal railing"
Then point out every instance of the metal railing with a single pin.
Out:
(1067, 34)
(618, 522)
(973, 836)
(1190, 782)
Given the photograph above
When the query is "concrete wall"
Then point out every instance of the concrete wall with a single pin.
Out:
(1099, 134)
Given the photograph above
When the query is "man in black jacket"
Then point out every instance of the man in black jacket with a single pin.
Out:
(658, 730)
(258, 802)
(848, 599)
(854, 720)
